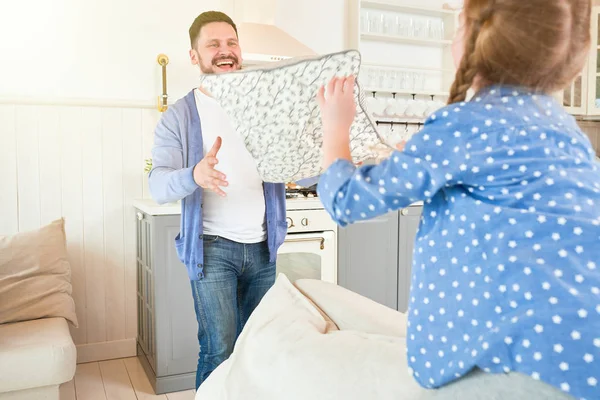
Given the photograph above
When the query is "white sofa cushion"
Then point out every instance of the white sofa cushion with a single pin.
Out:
(288, 351)
(36, 353)
(351, 311)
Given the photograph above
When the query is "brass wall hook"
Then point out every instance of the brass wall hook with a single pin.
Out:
(163, 60)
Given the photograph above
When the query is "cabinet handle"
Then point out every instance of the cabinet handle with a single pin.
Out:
(404, 212)
(290, 222)
(321, 240)
(140, 216)
(305, 221)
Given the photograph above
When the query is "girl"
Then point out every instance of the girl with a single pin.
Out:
(506, 265)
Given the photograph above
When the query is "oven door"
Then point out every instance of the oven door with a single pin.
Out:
(309, 256)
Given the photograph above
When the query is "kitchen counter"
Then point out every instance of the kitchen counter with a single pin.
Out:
(150, 207)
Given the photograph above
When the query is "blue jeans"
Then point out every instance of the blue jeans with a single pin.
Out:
(236, 277)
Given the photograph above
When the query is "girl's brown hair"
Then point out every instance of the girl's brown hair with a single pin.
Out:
(538, 44)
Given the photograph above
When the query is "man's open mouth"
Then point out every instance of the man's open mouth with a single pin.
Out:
(226, 64)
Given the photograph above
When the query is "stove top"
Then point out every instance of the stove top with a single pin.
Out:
(301, 193)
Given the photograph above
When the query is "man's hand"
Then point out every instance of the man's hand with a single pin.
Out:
(205, 174)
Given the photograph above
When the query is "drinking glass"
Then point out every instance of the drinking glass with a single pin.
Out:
(364, 21)
(375, 23)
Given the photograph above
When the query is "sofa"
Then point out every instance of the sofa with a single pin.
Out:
(315, 340)
(37, 353)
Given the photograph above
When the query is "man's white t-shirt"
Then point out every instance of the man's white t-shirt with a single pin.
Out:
(240, 216)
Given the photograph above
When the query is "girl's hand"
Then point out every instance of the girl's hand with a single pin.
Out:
(338, 110)
(337, 105)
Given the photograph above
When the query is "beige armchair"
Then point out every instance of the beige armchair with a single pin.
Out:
(37, 352)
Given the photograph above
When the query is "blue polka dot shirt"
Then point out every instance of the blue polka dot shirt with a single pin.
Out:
(505, 273)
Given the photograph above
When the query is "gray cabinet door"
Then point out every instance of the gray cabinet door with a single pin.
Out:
(176, 326)
(144, 295)
(368, 258)
(408, 224)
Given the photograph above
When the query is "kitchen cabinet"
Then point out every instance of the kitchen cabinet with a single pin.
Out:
(368, 258)
(167, 328)
(406, 55)
(375, 256)
(574, 97)
(582, 97)
(593, 67)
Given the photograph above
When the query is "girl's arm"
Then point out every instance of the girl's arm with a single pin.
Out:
(431, 160)
(352, 194)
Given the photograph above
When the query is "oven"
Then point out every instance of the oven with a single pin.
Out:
(310, 247)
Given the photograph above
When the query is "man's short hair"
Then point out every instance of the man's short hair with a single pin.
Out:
(206, 18)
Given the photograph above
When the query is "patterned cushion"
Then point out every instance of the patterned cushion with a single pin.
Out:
(274, 108)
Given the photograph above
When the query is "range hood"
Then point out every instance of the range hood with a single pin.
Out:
(261, 40)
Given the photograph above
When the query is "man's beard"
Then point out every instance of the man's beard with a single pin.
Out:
(221, 64)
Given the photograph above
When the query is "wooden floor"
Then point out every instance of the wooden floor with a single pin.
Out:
(122, 379)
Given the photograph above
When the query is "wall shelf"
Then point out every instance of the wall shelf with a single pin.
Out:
(407, 92)
(400, 121)
(414, 68)
(395, 7)
(395, 37)
(405, 40)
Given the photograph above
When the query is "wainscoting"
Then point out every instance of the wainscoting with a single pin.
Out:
(85, 164)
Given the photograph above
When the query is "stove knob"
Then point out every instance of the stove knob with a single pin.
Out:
(304, 221)
(290, 222)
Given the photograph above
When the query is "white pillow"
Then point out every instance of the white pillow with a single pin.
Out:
(288, 350)
(274, 108)
(351, 311)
